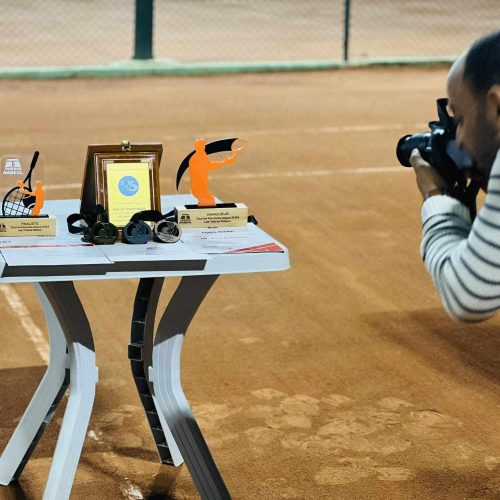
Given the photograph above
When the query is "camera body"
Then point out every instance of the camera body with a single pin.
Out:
(440, 149)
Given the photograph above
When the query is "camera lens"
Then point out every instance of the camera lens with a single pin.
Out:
(408, 143)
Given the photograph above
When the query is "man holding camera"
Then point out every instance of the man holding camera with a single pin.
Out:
(462, 256)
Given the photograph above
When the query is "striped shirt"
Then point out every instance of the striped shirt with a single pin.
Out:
(463, 258)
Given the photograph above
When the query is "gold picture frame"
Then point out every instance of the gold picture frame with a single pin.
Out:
(123, 178)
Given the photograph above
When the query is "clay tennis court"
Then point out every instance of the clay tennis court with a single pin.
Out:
(341, 378)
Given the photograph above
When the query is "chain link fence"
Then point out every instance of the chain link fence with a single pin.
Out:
(423, 28)
(65, 32)
(90, 32)
(243, 30)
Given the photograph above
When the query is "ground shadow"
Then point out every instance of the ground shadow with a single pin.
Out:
(438, 338)
(13, 492)
(460, 483)
(163, 487)
(141, 453)
(17, 386)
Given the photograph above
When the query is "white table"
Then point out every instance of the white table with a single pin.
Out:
(155, 359)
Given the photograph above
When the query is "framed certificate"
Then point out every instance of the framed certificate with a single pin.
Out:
(123, 178)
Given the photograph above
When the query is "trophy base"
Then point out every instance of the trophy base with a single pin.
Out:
(222, 215)
(28, 226)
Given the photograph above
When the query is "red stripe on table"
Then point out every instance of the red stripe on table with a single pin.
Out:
(268, 247)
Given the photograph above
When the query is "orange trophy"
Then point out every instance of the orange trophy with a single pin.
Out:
(201, 161)
(38, 194)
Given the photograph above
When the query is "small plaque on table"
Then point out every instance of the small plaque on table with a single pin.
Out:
(28, 226)
(221, 215)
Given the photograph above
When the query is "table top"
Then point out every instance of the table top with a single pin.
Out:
(66, 258)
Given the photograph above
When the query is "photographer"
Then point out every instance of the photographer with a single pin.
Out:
(464, 257)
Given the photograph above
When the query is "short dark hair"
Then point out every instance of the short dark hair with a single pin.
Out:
(482, 63)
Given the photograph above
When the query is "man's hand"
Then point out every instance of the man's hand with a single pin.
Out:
(429, 181)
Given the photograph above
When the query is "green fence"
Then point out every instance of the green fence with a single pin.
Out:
(61, 36)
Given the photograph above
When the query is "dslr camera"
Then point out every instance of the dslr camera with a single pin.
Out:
(439, 148)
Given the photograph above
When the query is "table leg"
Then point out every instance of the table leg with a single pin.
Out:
(140, 353)
(43, 404)
(71, 316)
(165, 375)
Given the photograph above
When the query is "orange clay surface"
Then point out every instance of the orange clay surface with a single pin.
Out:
(341, 378)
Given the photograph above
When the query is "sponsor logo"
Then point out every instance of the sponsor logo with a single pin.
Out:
(128, 185)
(12, 166)
(185, 219)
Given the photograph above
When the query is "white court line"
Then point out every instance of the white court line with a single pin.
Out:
(266, 175)
(34, 333)
(315, 173)
(54, 187)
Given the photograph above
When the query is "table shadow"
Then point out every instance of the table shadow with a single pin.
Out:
(13, 492)
(163, 487)
(17, 386)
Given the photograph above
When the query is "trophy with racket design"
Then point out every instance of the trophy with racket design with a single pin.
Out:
(21, 206)
(208, 213)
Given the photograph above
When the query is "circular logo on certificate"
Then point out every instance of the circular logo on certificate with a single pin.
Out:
(128, 185)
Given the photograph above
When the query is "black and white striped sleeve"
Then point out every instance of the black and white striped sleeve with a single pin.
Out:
(463, 258)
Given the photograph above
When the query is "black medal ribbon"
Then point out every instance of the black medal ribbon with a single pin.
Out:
(97, 229)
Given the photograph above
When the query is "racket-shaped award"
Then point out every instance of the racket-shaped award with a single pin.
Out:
(209, 213)
(21, 208)
(20, 201)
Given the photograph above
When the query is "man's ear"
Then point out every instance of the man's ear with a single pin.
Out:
(493, 104)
